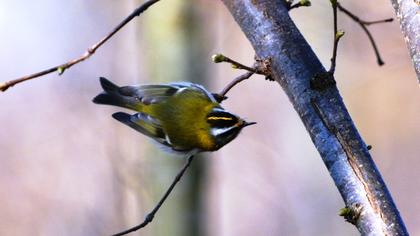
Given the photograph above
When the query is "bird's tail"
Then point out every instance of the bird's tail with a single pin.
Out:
(112, 96)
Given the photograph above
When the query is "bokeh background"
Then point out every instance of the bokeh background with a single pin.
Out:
(68, 168)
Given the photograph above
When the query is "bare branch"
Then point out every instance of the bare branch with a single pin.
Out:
(149, 217)
(261, 67)
(364, 25)
(89, 52)
(337, 37)
(222, 95)
(218, 58)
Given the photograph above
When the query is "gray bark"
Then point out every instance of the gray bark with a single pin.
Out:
(407, 12)
(274, 36)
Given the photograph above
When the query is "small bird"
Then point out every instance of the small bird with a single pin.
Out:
(183, 117)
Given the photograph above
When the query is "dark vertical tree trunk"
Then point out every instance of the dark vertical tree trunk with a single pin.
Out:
(196, 61)
(275, 37)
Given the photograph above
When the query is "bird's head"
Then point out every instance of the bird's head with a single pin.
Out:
(225, 126)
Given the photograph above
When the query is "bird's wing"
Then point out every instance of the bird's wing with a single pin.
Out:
(151, 94)
(133, 96)
(144, 124)
(150, 127)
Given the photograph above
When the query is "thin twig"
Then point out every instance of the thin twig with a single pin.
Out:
(376, 21)
(261, 67)
(89, 52)
(151, 215)
(218, 58)
(364, 25)
(337, 36)
(222, 95)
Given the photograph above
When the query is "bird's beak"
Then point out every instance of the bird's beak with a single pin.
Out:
(248, 124)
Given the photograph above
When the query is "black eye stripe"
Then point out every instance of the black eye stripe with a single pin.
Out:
(221, 113)
(221, 123)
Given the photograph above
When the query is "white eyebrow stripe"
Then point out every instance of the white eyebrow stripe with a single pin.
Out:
(219, 109)
(181, 90)
(218, 131)
(167, 139)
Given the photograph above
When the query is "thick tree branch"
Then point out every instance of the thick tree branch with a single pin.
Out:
(407, 12)
(273, 35)
(89, 52)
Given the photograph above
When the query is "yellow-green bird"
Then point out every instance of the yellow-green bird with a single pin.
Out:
(183, 117)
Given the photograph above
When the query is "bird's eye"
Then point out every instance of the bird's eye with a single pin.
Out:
(222, 119)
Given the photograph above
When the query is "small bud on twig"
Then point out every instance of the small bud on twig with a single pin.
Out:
(305, 3)
(339, 34)
(61, 70)
(351, 213)
(218, 58)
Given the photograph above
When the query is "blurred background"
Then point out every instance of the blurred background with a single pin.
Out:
(68, 168)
